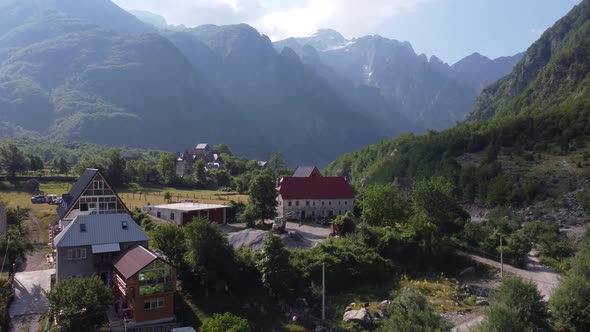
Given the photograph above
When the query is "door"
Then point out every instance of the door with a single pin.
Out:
(302, 215)
(104, 276)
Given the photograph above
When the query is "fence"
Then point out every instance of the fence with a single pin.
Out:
(159, 196)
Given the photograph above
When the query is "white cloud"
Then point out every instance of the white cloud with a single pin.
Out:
(282, 18)
(350, 17)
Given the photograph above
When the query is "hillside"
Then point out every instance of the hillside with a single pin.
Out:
(554, 71)
(536, 152)
(67, 71)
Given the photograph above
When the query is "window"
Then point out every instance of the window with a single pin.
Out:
(158, 214)
(172, 216)
(124, 224)
(155, 278)
(82, 227)
(296, 203)
(153, 303)
(338, 202)
(290, 203)
(76, 253)
(330, 203)
(323, 203)
(306, 203)
(313, 203)
(345, 202)
(83, 206)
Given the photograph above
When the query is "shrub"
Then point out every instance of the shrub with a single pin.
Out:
(225, 323)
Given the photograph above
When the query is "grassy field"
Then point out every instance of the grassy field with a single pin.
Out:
(156, 196)
(46, 212)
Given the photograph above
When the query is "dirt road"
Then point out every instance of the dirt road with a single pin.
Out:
(545, 279)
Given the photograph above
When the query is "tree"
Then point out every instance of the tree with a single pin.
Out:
(17, 246)
(79, 304)
(274, 265)
(263, 196)
(277, 162)
(209, 254)
(12, 160)
(167, 166)
(516, 296)
(116, 171)
(413, 314)
(436, 200)
(35, 163)
(167, 196)
(199, 172)
(60, 166)
(170, 240)
(383, 205)
(570, 303)
(225, 323)
(502, 318)
(222, 148)
(344, 224)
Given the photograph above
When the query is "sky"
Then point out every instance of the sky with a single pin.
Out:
(449, 29)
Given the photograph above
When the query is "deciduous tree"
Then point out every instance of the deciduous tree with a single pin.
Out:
(383, 205)
(79, 304)
(12, 160)
(263, 196)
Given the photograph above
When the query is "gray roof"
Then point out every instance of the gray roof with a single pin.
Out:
(100, 229)
(304, 171)
(202, 146)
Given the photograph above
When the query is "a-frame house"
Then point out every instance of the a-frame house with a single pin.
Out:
(91, 194)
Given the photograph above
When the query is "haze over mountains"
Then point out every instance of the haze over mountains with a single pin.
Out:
(90, 71)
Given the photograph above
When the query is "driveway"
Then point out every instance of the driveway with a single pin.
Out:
(29, 301)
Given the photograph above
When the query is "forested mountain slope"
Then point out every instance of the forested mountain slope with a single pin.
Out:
(553, 71)
(519, 153)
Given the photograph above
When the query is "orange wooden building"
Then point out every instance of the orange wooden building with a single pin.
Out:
(144, 286)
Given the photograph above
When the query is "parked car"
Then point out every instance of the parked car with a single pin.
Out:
(58, 201)
(38, 199)
(51, 199)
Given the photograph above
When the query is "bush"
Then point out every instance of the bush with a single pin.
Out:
(31, 186)
(225, 323)
(5, 299)
(413, 314)
(525, 298)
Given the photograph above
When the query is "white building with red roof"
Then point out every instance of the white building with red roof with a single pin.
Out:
(313, 196)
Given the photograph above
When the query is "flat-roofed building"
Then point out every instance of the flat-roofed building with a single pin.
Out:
(183, 213)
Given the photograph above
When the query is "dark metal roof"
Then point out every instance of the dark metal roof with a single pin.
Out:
(306, 171)
(77, 190)
(134, 260)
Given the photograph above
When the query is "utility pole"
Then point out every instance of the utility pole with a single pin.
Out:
(5, 254)
(323, 291)
(501, 259)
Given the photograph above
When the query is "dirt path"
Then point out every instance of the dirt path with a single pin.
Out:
(36, 261)
(545, 279)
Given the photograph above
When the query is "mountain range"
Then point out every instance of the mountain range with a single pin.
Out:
(90, 71)
(542, 108)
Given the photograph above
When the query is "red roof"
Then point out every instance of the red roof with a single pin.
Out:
(133, 261)
(315, 188)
